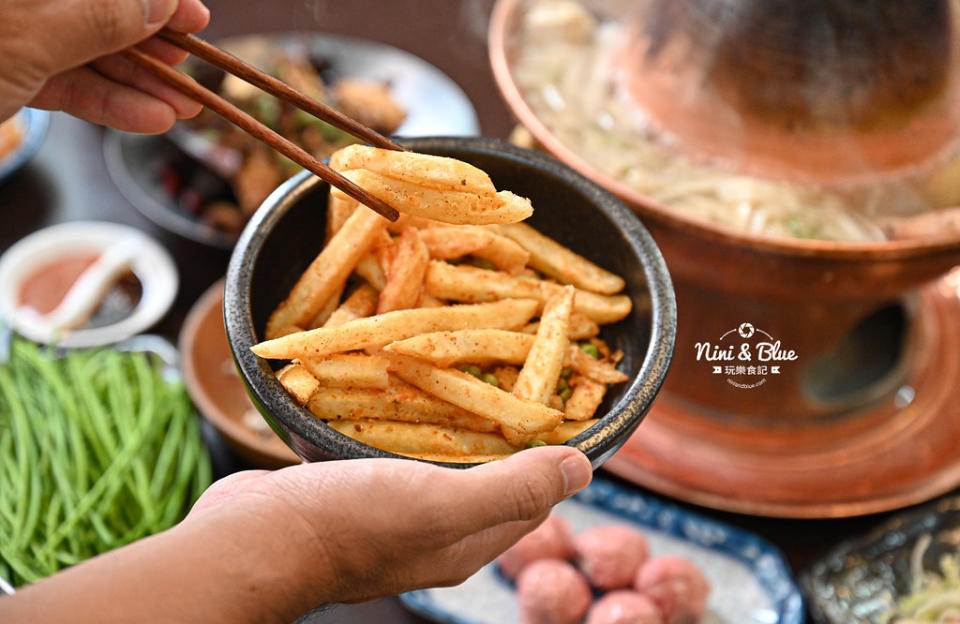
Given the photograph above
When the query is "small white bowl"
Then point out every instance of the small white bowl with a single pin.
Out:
(152, 265)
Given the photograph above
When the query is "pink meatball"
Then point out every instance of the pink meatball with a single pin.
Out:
(676, 586)
(551, 540)
(610, 556)
(551, 591)
(624, 607)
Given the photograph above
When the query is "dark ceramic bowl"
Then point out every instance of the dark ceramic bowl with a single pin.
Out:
(286, 233)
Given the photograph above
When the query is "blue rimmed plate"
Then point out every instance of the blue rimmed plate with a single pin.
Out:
(751, 582)
(33, 127)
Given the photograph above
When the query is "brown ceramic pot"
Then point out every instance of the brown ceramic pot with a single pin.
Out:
(787, 446)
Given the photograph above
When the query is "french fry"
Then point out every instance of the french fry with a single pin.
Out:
(426, 301)
(370, 270)
(435, 172)
(326, 311)
(586, 398)
(338, 211)
(384, 251)
(470, 284)
(474, 346)
(565, 431)
(541, 370)
(507, 377)
(327, 274)
(455, 241)
(597, 370)
(504, 254)
(422, 438)
(580, 327)
(380, 330)
(454, 207)
(360, 304)
(405, 277)
(478, 397)
(399, 401)
(298, 382)
(349, 370)
(550, 257)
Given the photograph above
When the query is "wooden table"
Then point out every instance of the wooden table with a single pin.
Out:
(67, 181)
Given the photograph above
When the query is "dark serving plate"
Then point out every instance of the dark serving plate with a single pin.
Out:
(862, 579)
(435, 105)
(281, 240)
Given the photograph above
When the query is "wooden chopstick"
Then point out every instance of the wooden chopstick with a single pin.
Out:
(232, 65)
(251, 126)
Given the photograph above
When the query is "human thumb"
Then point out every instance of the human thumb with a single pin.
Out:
(71, 33)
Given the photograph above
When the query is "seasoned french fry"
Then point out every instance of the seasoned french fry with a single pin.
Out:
(422, 438)
(507, 377)
(405, 277)
(476, 396)
(349, 370)
(298, 382)
(504, 254)
(360, 304)
(384, 251)
(470, 284)
(326, 311)
(455, 241)
(541, 370)
(595, 369)
(435, 172)
(338, 211)
(586, 398)
(474, 346)
(399, 401)
(377, 331)
(370, 270)
(447, 206)
(327, 274)
(566, 431)
(550, 257)
(580, 327)
(426, 301)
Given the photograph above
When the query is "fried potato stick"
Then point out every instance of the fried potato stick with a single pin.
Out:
(399, 401)
(349, 370)
(380, 330)
(422, 438)
(541, 370)
(504, 254)
(476, 396)
(454, 207)
(435, 172)
(470, 284)
(586, 398)
(474, 346)
(360, 304)
(405, 277)
(327, 274)
(298, 381)
(565, 431)
(550, 257)
(370, 270)
(580, 327)
(454, 241)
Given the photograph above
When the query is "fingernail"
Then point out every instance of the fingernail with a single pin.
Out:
(577, 473)
(158, 11)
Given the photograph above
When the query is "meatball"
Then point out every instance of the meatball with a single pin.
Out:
(551, 591)
(551, 540)
(676, 586)
(624, 607)
(611, 555)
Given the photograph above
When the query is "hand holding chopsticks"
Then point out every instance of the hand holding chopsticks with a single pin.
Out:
(234, 115)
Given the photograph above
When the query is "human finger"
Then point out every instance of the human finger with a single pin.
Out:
(522, 487)
(125, 71)
(84, 93)
(224, 490)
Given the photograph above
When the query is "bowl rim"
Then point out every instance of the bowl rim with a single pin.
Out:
(505, 13)
(598, 443)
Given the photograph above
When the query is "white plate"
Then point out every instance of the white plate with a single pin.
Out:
(153, 266)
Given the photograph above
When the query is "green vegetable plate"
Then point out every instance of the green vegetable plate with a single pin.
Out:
(118, 454)
(906, 568)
